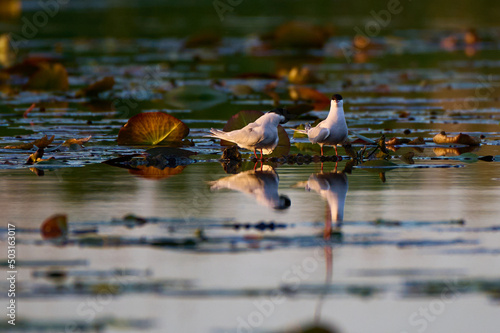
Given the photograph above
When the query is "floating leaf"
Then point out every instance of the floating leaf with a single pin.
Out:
(49, 77)
(35, 157)
(43, 142)
(397, 141)
(23, 146)
(243, 118)
(55, 226)
(195, 97)
(417, 141)
(39, 143)
(463, 139)
(94, 89)
(79, 142)
(152, 128)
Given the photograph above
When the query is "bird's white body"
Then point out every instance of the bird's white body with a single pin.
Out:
(331, 131)
(262, 185)
(262, 134)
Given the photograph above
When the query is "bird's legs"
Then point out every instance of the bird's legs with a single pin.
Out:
(336, 153)
(261, 154)
(255, 153)
(321, 149)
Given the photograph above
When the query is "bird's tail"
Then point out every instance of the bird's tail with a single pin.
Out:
(215, 133)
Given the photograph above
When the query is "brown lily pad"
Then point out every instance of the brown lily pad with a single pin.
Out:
(152, 128)
(55, 226)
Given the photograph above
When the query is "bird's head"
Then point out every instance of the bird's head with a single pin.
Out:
(285, 115)
(284, 202)
(337, 100)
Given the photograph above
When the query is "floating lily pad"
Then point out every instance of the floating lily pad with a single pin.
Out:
(243, 118)
(55, 226)
(152, 128)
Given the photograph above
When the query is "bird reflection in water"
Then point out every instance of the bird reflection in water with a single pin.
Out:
(261, 183)
(332, 187)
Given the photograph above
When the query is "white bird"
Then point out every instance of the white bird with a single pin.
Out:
(262, 134)
(263, 185)
(331, 131)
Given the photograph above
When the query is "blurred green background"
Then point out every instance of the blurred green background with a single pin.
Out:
(158, 18)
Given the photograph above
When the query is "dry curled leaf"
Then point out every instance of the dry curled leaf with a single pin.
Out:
(397, 141)
(463, 139)
(43, 142)
(55, 226)
(35, 157)
(79, 142)
(39, 143)
(417, 141)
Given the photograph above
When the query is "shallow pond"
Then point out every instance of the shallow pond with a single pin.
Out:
(278, 247)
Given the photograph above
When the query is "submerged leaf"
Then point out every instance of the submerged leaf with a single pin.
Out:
(55, 226)
(154, 173)
(243, 118)
(463, 139)
(94, 89)
(152, 128)
(49, 77)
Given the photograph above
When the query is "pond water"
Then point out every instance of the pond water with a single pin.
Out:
(277, 247)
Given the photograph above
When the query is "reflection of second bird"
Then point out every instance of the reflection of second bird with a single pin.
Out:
(263, 185)
(333, 188)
